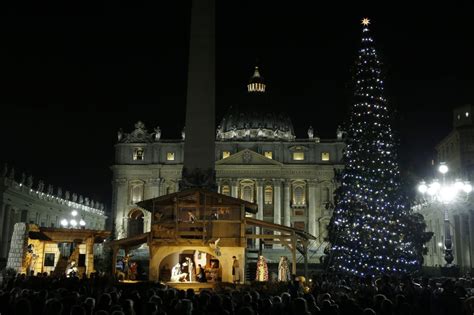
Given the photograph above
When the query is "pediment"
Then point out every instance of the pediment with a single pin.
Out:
(247, 157)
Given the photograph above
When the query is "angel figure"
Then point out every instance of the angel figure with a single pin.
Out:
(215, 247)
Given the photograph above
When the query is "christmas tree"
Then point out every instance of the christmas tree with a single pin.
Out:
(369, 231)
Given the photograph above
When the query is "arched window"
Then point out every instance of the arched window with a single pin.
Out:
(136, 192)
(299, 195)
(135, 222)
(247, 190)
(325, 197)
(268, 197)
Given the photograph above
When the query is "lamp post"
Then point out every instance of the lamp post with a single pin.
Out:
(445, 193)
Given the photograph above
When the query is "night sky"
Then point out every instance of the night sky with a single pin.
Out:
(72, 74)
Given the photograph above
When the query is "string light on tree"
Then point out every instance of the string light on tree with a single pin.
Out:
(372, 229)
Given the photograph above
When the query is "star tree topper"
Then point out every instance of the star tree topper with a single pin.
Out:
(365, 21)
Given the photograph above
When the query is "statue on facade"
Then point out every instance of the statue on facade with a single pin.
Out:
(29, 182)
(74, 197)
(120, 134)
(260, 132)
(23, 178)
(81, 199)
(67, 195)
(339, 133)
(157, 133)
(12, 174)
(60, 192)
(86, 201)
(40, 186)
(233, 131)
(92, 204)
(310, 132)
(50, 189)
(5, 170)
(219, 132)
(183, 133)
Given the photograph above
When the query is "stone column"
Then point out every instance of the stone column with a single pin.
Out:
(312, 223)
(260, 199)
(235, 188)
(466, 261)
(471, 237)
(277, 201)
(6, 231)
(119, 211)
(89, 256)
(3, 210)
(287, 203)
(457, 248)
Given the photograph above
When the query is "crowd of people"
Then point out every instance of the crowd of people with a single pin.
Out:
(324, 294)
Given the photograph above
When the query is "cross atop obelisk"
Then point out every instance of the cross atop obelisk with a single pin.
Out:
(199, 144)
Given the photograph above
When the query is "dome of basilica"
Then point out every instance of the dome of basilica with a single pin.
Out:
(251, 120)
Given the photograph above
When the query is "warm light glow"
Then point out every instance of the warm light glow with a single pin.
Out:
(443, 169)
(225, 154)
(269, 154)
(298, 156)
(64, 222)
(459, 185)
(440, 244)
(73, 222)
(170, 156)
(325, 156)
(365, 21)
(74, 213)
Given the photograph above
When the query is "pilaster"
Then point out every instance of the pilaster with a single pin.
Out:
(287, 203)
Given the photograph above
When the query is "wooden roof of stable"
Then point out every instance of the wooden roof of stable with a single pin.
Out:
(69, 235)
(280, 228)
(130, 242)
(171, 198)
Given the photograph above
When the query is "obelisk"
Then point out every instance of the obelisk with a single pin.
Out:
(199, 146)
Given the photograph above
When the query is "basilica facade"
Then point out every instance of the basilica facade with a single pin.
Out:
(258, 158)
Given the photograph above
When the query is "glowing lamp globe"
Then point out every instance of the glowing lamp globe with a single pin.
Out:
(467, 188)
(459, 184)
(82, 223)
(73, 222)
(64, 222)
(433, 188)
(443, 169)
(422, 188)
(74, 213)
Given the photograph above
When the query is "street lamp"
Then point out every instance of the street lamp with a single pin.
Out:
(445, 193)
(73, 222)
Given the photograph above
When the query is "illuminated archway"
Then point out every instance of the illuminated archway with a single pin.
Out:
(135, 222)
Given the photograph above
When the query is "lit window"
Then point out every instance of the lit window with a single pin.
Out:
(268, 154)
(136, 192)
(325, 156)
(170, 156)
(138, 154)
(268, 197)
(247, 190)
(225, 154)
(299, 195)
(467, 114)
(298, 156)
(225, 190)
